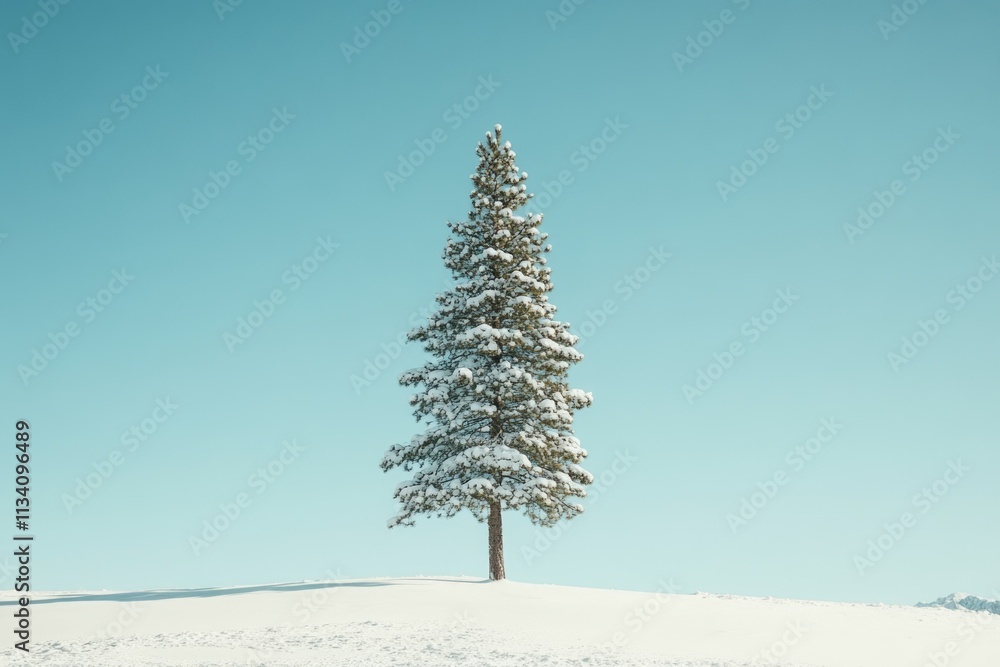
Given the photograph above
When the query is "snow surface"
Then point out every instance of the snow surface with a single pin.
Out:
(457, 621)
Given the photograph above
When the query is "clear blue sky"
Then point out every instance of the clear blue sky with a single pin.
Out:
(660, 133)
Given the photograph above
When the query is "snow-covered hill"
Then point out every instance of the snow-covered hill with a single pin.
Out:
(449, 621)
(964, 601)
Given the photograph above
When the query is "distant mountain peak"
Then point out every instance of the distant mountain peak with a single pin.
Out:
(964, 601)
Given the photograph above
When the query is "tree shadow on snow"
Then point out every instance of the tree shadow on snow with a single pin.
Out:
(177, 593)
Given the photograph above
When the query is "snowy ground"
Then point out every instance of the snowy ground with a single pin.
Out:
(469, 622)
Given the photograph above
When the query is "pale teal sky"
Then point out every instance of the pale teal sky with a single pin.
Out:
(288, 135)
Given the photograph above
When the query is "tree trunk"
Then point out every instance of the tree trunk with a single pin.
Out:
(496, 543)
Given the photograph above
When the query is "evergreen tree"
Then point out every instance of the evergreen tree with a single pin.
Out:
(494, 396)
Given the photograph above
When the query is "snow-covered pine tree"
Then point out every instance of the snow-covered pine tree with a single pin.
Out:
(494, 395)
